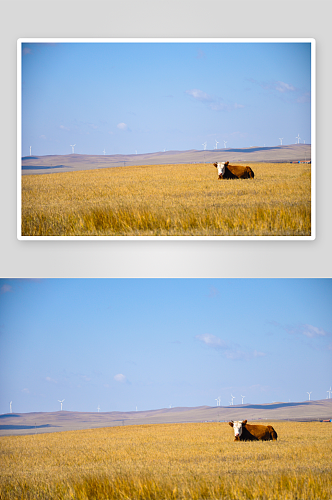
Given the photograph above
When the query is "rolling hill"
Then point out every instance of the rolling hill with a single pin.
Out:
(31, 423)
(72, 162)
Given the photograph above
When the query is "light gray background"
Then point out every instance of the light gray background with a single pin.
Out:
(159, 18)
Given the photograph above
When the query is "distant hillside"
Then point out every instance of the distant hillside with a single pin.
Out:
(68, 163)
(30, 423)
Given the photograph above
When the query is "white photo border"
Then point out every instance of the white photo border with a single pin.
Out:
(21, 41)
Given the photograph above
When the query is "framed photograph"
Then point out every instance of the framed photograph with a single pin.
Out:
(209, 139)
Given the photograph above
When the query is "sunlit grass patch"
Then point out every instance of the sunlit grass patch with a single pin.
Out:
(168, 200)
(179, 461)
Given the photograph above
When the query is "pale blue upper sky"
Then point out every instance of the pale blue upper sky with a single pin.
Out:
(147, 97)
(152, 343)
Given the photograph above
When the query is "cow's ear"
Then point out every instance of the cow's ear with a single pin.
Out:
(231, 424)
(227, 163)
(244, 422)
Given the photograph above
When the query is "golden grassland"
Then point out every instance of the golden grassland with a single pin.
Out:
(168, 200)
(169, 461)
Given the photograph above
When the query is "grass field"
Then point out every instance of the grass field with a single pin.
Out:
(169, 461)
(168, 200)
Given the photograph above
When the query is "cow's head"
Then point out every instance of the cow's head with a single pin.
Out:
(237, 427)
(221, 165)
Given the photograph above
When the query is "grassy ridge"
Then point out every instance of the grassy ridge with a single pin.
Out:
(168, 200)
(173, 461)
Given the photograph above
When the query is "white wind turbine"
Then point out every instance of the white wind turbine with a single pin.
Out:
(10, 407)
(225, 142)
(30, 150)
(280, 139)
(216, 144)
(329, 393)
(242, 398)
(233, 397)
(72, 147)
(298, 138)
(61, 403)
(104, 152)
(309, 394)
(98, 409)
(204, 144)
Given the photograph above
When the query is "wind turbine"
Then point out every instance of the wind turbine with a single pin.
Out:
(329, 393)
(280, 139)
(298, 138)
(104, 152)
(216, 144)
(61, 403)
(225, 142)
(204, 144)
(242, 398)
(309, 394)
(98, 409)
(72, 147)
(233, 397)
(10, 407)
(30, 150)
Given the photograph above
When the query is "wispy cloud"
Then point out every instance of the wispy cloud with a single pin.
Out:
(51, 380)
(281, 87)
(6, 288)
(214, 292)
(63, 127)
(26, 51)
(200, 54)
(230, 351)
(212, 102)
(309, 331)
(212, 341)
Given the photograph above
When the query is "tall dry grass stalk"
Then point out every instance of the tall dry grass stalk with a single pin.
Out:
(171, 461)
(168, 200)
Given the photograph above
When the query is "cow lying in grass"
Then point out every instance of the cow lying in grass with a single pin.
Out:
(227, 171)
(247, 432)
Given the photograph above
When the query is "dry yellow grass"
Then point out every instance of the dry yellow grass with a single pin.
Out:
(168, 200)
(169, 461)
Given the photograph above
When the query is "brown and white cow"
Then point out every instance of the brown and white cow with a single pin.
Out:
(248, 432)
(227, 171)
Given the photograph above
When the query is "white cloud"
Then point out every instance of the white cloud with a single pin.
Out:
(214, 103)
(312, 331)
(258, 354)
(199, 95)
(51, 380)
(307, 330)
(229, 351)
(63, 127)
(120, 378)
(212, 341)
(284, 87)
(122, 126)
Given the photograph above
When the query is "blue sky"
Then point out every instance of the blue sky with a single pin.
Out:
(124, 98)
(152, 343)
